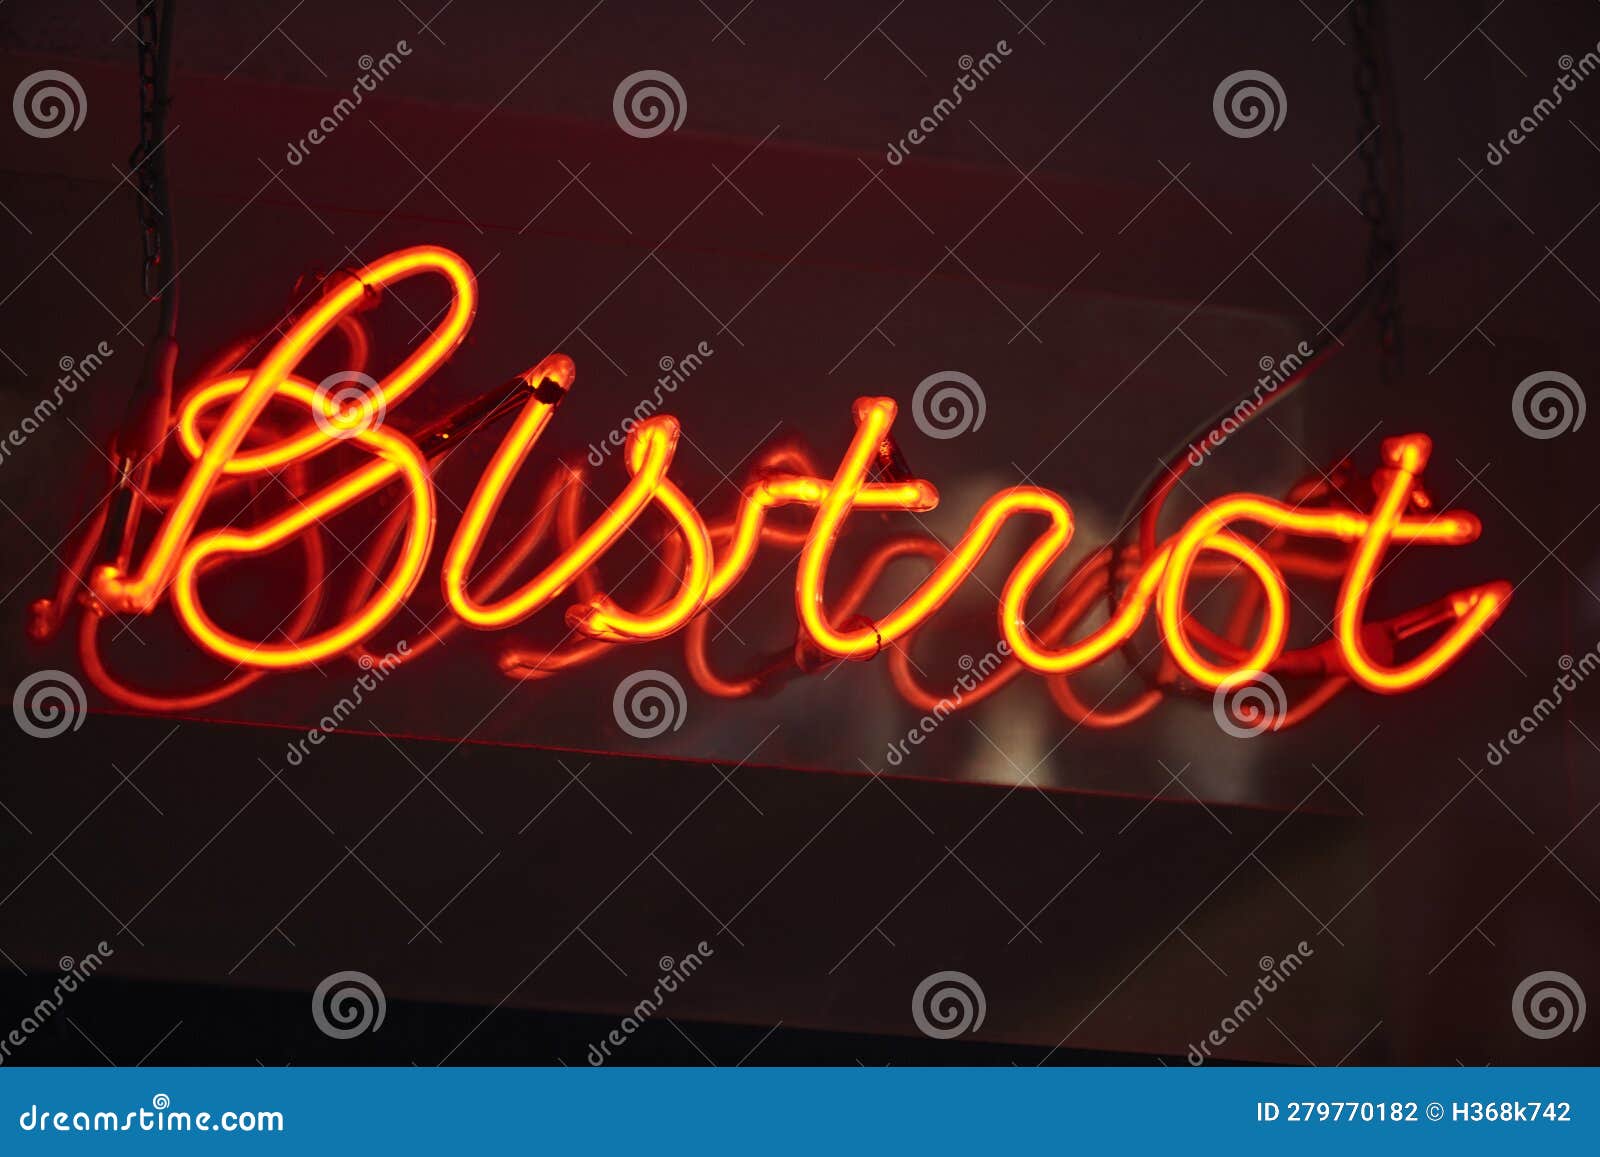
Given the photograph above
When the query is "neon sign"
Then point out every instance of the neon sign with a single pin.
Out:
(244, 427)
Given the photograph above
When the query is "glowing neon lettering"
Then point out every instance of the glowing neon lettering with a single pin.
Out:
(241, 427)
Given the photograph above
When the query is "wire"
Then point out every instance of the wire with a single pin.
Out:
(1380, 294)
(148, 414)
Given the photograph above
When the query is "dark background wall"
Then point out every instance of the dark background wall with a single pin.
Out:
(1084, 240)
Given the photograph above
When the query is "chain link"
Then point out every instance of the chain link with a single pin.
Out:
(146, 176)
(1376, 207)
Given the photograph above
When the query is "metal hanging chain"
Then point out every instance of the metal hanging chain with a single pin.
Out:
(149, 169)
(1379, 152)
(146, 419)
(1380, 291)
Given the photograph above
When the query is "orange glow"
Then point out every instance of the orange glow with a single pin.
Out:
(602, 618)
(399, 456)
(260, 429)
(138, 592)
(1474, 608)
(649, 453)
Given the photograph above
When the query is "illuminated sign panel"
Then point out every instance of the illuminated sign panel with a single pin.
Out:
(243, 427)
